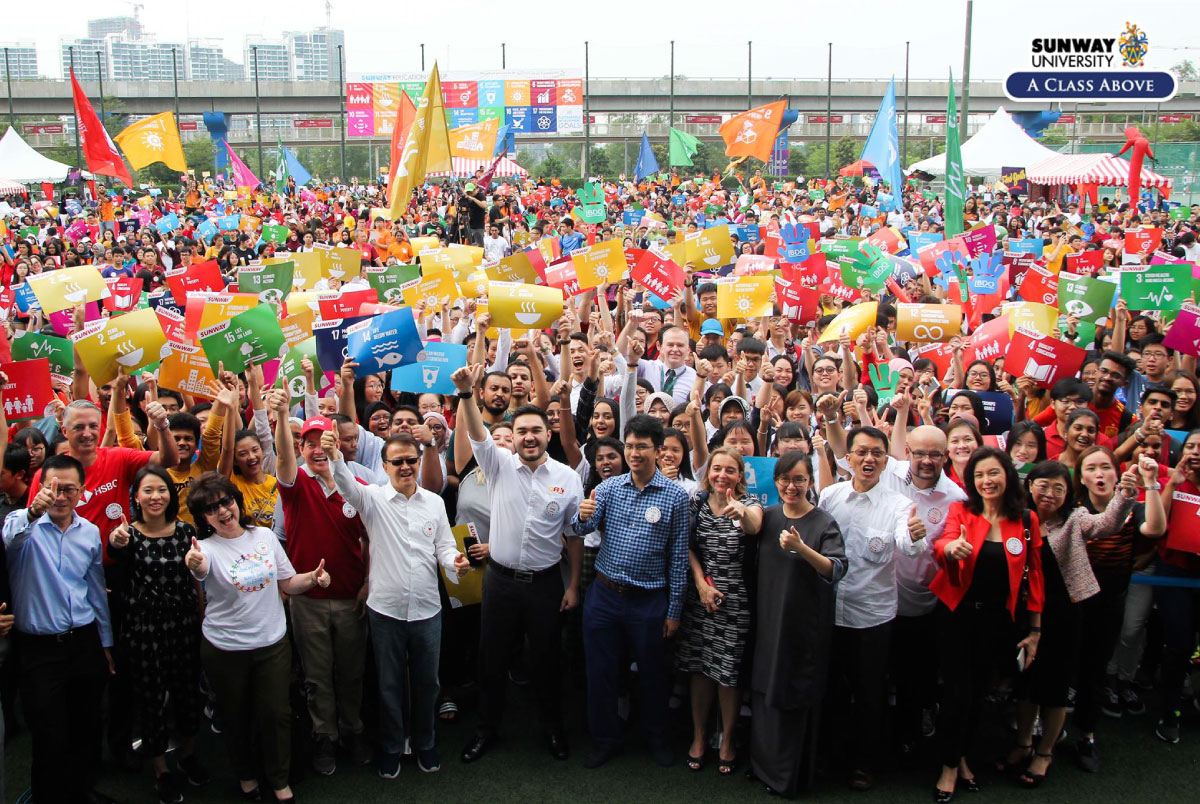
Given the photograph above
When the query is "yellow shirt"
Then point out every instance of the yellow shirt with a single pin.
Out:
(259, 498)
(210, 454)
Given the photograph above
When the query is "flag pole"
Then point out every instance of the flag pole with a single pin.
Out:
(904, 146)
(828, 109)
(587, 110)
(966, 76)
(12, 119)
(257, 111)
(78, 155)
(175, 79)
(749, 75)
(671, 124)
(342, 104)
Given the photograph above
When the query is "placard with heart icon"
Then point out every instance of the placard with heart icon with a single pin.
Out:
(1159, 287)
(59, 351)
(131, 341)
(65, 288)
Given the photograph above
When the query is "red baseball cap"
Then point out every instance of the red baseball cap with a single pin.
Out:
(321, 423)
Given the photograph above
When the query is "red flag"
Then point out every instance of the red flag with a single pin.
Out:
(406, 112)
(98, 148)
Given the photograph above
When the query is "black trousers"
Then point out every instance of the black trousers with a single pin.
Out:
(62, 682)
(859, 668)
(971, 641)
(1103, 615)
(914, 672)
(511, 612)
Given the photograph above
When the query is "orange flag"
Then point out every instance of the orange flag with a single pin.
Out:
(405, 113)
(752, 133)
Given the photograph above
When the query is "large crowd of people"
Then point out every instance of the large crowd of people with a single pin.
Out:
(933, 531)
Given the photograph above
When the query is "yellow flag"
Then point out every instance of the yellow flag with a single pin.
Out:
(853, 321)
(427, 147)
(476, 141)
(155, 139)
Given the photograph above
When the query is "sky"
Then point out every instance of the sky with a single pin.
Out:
(630, 38)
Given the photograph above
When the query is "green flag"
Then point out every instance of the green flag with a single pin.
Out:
(281, 169)
(682, 147)
(956, 187)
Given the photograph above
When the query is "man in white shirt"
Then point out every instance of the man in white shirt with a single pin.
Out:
(410, 537)
(534, 499)
(495, 247)
(670, 373)
(875, 528)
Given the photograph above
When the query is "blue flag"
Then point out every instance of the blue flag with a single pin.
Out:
(646, 165)
(506, 140)
(295, 169)
(883, 145)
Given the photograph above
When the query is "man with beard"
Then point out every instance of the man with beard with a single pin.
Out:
(533, 498)
(496, 393)
(875, 524)
(330, 632)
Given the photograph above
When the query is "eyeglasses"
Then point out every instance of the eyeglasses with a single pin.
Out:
(978, 375)
(795, 482)
(927, 456)
(868, 453)
(403, 461)
(216, 506)
(825, 370)
(68, 491)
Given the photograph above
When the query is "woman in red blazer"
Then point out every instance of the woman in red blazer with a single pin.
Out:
(989, 566)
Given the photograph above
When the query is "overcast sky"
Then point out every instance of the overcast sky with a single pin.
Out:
(630, 37)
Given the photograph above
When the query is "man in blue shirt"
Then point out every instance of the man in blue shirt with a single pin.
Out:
(637, 598)
(569, 240)
(62, 631)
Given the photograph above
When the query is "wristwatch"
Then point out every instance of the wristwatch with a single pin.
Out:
(465, 394)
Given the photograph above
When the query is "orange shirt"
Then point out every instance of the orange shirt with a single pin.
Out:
(401, 250)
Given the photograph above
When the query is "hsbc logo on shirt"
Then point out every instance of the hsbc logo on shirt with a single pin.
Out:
(87, 495)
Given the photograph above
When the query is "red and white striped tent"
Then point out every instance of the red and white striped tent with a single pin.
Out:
(1104, 170)
(465, 168)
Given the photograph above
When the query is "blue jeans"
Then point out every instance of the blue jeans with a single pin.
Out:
(611, 620)
(406, 650)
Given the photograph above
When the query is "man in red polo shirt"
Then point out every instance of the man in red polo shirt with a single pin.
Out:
(330, 631)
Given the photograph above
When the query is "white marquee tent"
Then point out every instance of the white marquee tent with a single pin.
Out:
(20, 163)
(999, 144)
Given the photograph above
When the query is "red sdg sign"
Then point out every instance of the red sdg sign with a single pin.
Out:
(659, 275)
(1043, 358)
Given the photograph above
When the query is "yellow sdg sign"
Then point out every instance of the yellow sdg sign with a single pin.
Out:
(523, 306)
(67, 287)
(437, 287)
(710, 249)
(130, 341)
(744, 296)
(603, 262)
(928, 323)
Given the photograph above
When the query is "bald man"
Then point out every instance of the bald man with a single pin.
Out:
(919, 476)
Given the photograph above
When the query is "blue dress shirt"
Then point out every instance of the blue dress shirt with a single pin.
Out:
(645, 535)
(57, 576)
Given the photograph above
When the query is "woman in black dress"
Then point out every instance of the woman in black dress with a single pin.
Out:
(159, 647)
(800, 557)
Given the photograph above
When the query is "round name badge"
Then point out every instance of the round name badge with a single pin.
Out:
(551, 508)
(933, 515)
(1014, 545)
(428, 528)
(875, 544)
(113, 511)
(348, 511)
(653, 514)
(262, 549)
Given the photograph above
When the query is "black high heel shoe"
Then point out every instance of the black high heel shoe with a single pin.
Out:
(942, 796)
(1030, 780)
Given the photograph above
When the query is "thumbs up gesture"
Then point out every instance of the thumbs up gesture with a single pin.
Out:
(120, 534)
(196, 561)
(587, 508)
(321, 578)
(6, 620)
(960, 548)
(44, 499)
(916, 525)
